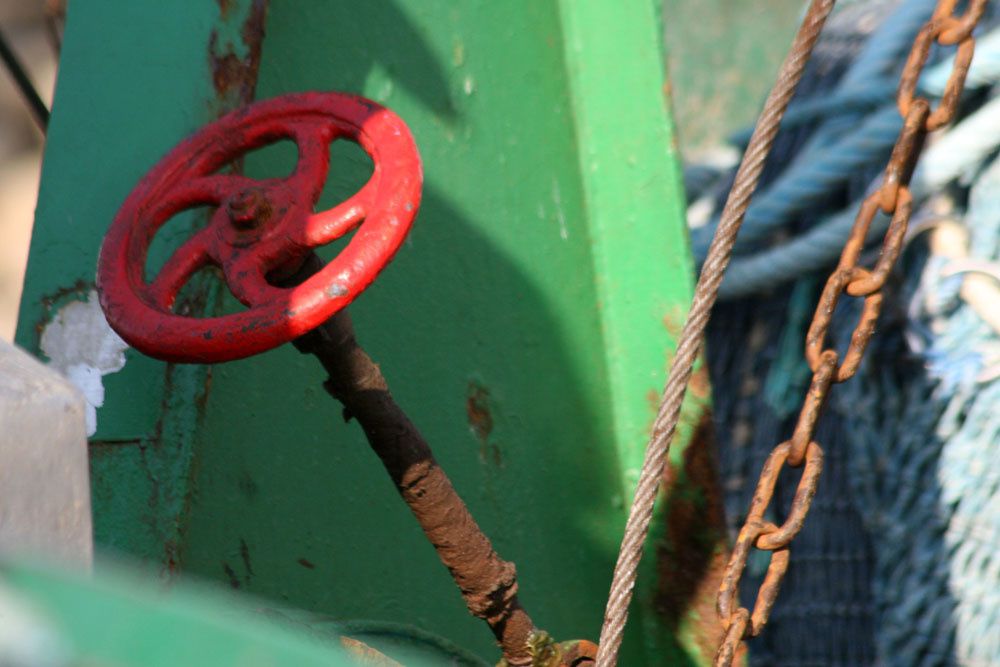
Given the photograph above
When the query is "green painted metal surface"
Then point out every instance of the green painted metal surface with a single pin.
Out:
(121, 616)
(525, 326)
(723, 57)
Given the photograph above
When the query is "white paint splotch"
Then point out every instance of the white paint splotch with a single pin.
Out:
(82, 346)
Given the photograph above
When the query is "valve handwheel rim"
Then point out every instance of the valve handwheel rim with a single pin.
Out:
(258, 227)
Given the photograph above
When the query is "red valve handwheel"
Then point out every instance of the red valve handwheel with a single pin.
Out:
(259, 226)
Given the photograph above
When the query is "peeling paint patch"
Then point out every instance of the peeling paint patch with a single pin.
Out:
(480, 414)
(234, 52)
(82, 346)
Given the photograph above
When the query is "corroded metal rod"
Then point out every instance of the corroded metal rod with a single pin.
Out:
(487, 582)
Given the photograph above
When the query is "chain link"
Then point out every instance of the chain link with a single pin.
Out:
(945, 28)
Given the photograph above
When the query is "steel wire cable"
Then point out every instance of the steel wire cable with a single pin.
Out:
(689, 343)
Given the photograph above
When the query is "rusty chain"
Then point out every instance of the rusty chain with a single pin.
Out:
(945, 28)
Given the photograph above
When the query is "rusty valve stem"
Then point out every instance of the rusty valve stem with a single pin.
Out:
(487, 582)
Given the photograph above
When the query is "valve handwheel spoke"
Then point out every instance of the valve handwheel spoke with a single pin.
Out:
(311, 173)
(313, 141)
(194, 254)
(246, 280)
(328, 226)
(260, 227)
(201, 249)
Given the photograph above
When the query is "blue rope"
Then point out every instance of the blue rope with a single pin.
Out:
(835, 149)
(924, 445)
(985, 69)
(860, 98)
(961, 151)
(957, 153)
(811, 178)
(864, 95)
(878, 62)
(890, 43)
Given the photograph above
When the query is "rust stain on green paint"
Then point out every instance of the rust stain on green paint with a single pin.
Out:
(234, 66)
(693, 554)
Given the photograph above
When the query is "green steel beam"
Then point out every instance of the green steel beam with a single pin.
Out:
(634, 200)
(122, 616)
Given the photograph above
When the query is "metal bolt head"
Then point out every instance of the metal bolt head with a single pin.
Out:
(249, 208)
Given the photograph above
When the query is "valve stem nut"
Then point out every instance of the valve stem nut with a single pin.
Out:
(249, 209)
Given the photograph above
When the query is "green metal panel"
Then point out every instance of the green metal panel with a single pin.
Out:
(122, 616)
(525, 326)
(724, 55)
(119, 618)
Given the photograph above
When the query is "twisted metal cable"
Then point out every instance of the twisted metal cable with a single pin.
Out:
(689, 344)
